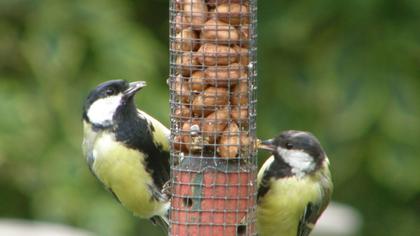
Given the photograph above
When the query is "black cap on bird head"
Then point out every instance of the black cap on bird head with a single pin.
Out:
(290, 143)
(103, 101)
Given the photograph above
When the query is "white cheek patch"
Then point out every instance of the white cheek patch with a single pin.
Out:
(300, 161)
(102, 110)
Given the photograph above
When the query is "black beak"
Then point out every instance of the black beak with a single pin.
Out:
(133, 88)
(267, 145)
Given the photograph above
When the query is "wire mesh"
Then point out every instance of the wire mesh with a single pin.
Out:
(213, 111)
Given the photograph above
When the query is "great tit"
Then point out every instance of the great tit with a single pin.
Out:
(127, 149)
(294, 185)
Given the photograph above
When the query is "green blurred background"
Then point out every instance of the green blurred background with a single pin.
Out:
(349, 71)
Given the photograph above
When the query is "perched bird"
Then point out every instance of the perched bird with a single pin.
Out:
(294, 185)
(127, 149)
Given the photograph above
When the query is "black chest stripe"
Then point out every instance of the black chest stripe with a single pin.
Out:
(135, 133)
(278, 169)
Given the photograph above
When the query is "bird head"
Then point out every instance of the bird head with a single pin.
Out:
(104, 102)
(298, 149)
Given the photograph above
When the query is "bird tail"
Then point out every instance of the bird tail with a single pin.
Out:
(161, 221)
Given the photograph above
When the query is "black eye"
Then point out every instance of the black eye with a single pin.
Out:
(289, 145)
(110, 91)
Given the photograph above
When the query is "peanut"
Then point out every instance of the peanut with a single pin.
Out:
(218, 2)
(240, 114)
(186, 63)
(186, 40)
(220, 32)
(214, 124)
(212, 54)
(196, 12)
(240, 94)
(230, 141)
(181, 89)
(209, 100)
(197, 81)
(233, 14)
(191, 135)
(224, 75)
(243, 55)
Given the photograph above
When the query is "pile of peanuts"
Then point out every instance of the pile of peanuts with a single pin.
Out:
(211, 44)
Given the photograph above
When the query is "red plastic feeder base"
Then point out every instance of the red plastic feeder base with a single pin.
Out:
(213, 197)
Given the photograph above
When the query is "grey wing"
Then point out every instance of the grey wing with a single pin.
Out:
(308, 220)
(87, 147)
(314, 209)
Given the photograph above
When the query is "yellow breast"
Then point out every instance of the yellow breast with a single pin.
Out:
(280, 210)
(121, 169)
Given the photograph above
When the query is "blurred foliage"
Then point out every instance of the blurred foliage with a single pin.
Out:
(349, 71)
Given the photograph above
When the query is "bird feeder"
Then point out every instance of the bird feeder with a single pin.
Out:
(213, 117)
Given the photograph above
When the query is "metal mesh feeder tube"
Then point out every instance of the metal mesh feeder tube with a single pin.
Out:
(212, 97)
